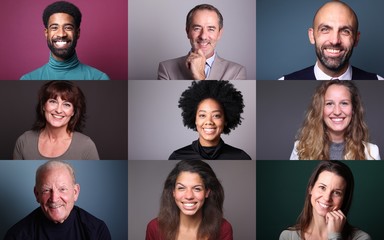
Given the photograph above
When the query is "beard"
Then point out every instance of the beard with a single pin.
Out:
(333, 63)
(63, 53)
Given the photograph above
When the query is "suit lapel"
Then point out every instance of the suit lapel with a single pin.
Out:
(216, 69)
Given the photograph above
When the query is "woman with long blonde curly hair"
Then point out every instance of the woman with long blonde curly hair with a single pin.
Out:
(334, 126)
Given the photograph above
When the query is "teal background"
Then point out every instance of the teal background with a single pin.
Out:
(280, 194)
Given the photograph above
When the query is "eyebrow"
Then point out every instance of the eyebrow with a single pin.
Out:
(198, 185)
(212, 111)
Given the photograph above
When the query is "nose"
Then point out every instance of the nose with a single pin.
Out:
(335, 38)
(203, 34)
(336, 110)
(59, 108)
(54, 196)
(327, 196)
(61, 32)
(189, 194)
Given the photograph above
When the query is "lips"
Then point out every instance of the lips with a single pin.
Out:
(57, 116)
(333, 51)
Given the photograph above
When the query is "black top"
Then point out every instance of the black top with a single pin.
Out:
(79, 225)
(308, 74)
(220, 152)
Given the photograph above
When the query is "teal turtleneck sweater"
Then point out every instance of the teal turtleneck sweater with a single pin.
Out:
(70, 69)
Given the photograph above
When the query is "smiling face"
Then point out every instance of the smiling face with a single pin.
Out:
(62, 35)
(337, 113)
(190, 193)
(334, 35)
(327, 194)
(57, 193)
(58, 112)
(204, 31)
(209, 122)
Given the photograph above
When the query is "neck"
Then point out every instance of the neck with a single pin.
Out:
(317, 228)
(56, 133)
(337, 137)
(212, 143)
(190, 222)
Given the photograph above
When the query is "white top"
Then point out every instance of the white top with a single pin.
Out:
(371, 151)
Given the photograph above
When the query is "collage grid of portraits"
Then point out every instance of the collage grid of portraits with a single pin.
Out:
(136, 123)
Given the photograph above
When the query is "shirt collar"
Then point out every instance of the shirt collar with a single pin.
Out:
(210, 60)
(320, 75)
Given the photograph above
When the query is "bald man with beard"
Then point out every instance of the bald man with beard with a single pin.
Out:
(334, 34)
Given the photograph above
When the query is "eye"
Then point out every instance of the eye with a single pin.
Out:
(217, 116)
(337, 193)
(346, 32)
(201, 115)
(68, 28)
(324, 29)
(345, 103)
(196, 29)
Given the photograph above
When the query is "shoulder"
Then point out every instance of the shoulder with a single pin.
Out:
(228, 62)
(226, 226)
(152, 231)
(28, 135)
(173, 61)
(92, 223)
(182, 153)
(294, 154)
(303, 74)
(94, 73)
(35, 74)
(237, 153)
(359, 74)
(289, 235)
(371, 151)
(81, 137)
(360, 234)
(153, 224)
(24, 228)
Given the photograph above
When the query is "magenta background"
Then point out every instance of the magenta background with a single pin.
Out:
(103, 41)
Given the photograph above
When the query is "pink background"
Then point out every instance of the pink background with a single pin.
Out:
(103, 42)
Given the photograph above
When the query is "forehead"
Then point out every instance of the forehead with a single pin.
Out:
(335, 14)
(55, 174)
(61, 18)
(331, 179)
(209, 103)
(189, 178)
(205, 16)
(337, 90)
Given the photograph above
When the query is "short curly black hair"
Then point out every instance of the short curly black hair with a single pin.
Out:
(62, 7)
(221, 91)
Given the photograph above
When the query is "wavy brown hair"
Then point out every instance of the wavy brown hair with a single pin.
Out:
(314, 140)
(212, 210)
(305, 218)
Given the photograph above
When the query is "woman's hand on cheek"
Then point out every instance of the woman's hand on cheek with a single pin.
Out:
(335, 221)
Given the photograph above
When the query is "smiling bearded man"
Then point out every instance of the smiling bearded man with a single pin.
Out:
(62, 30)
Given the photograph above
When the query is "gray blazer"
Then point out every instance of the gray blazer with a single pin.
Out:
(175, 69)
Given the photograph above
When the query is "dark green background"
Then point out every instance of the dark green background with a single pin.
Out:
(280, 194)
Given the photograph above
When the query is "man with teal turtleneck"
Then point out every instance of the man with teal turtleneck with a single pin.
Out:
(62, 30)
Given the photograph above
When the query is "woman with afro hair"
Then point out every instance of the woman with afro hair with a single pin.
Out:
(211, 108)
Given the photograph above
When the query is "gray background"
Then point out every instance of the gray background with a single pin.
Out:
(145, 184)
(155, 124)
(103, 192)
(106, 122)
(282, 40)
(281, 192)
(156, 32)
(281, 107)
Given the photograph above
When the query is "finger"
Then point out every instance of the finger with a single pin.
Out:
(200, 52)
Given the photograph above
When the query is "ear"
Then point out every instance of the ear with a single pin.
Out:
(207, 193)
(357, 39)
(46, 32)
(76, 190)
(220, 33)
(311, 36)
(78, 33)
(36, 194)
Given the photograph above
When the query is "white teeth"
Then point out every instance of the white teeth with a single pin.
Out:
(189, 204)
(337, 119)
(324, 205)
(209, 130)
(332, 50)
(56, 116)
(60, 43)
